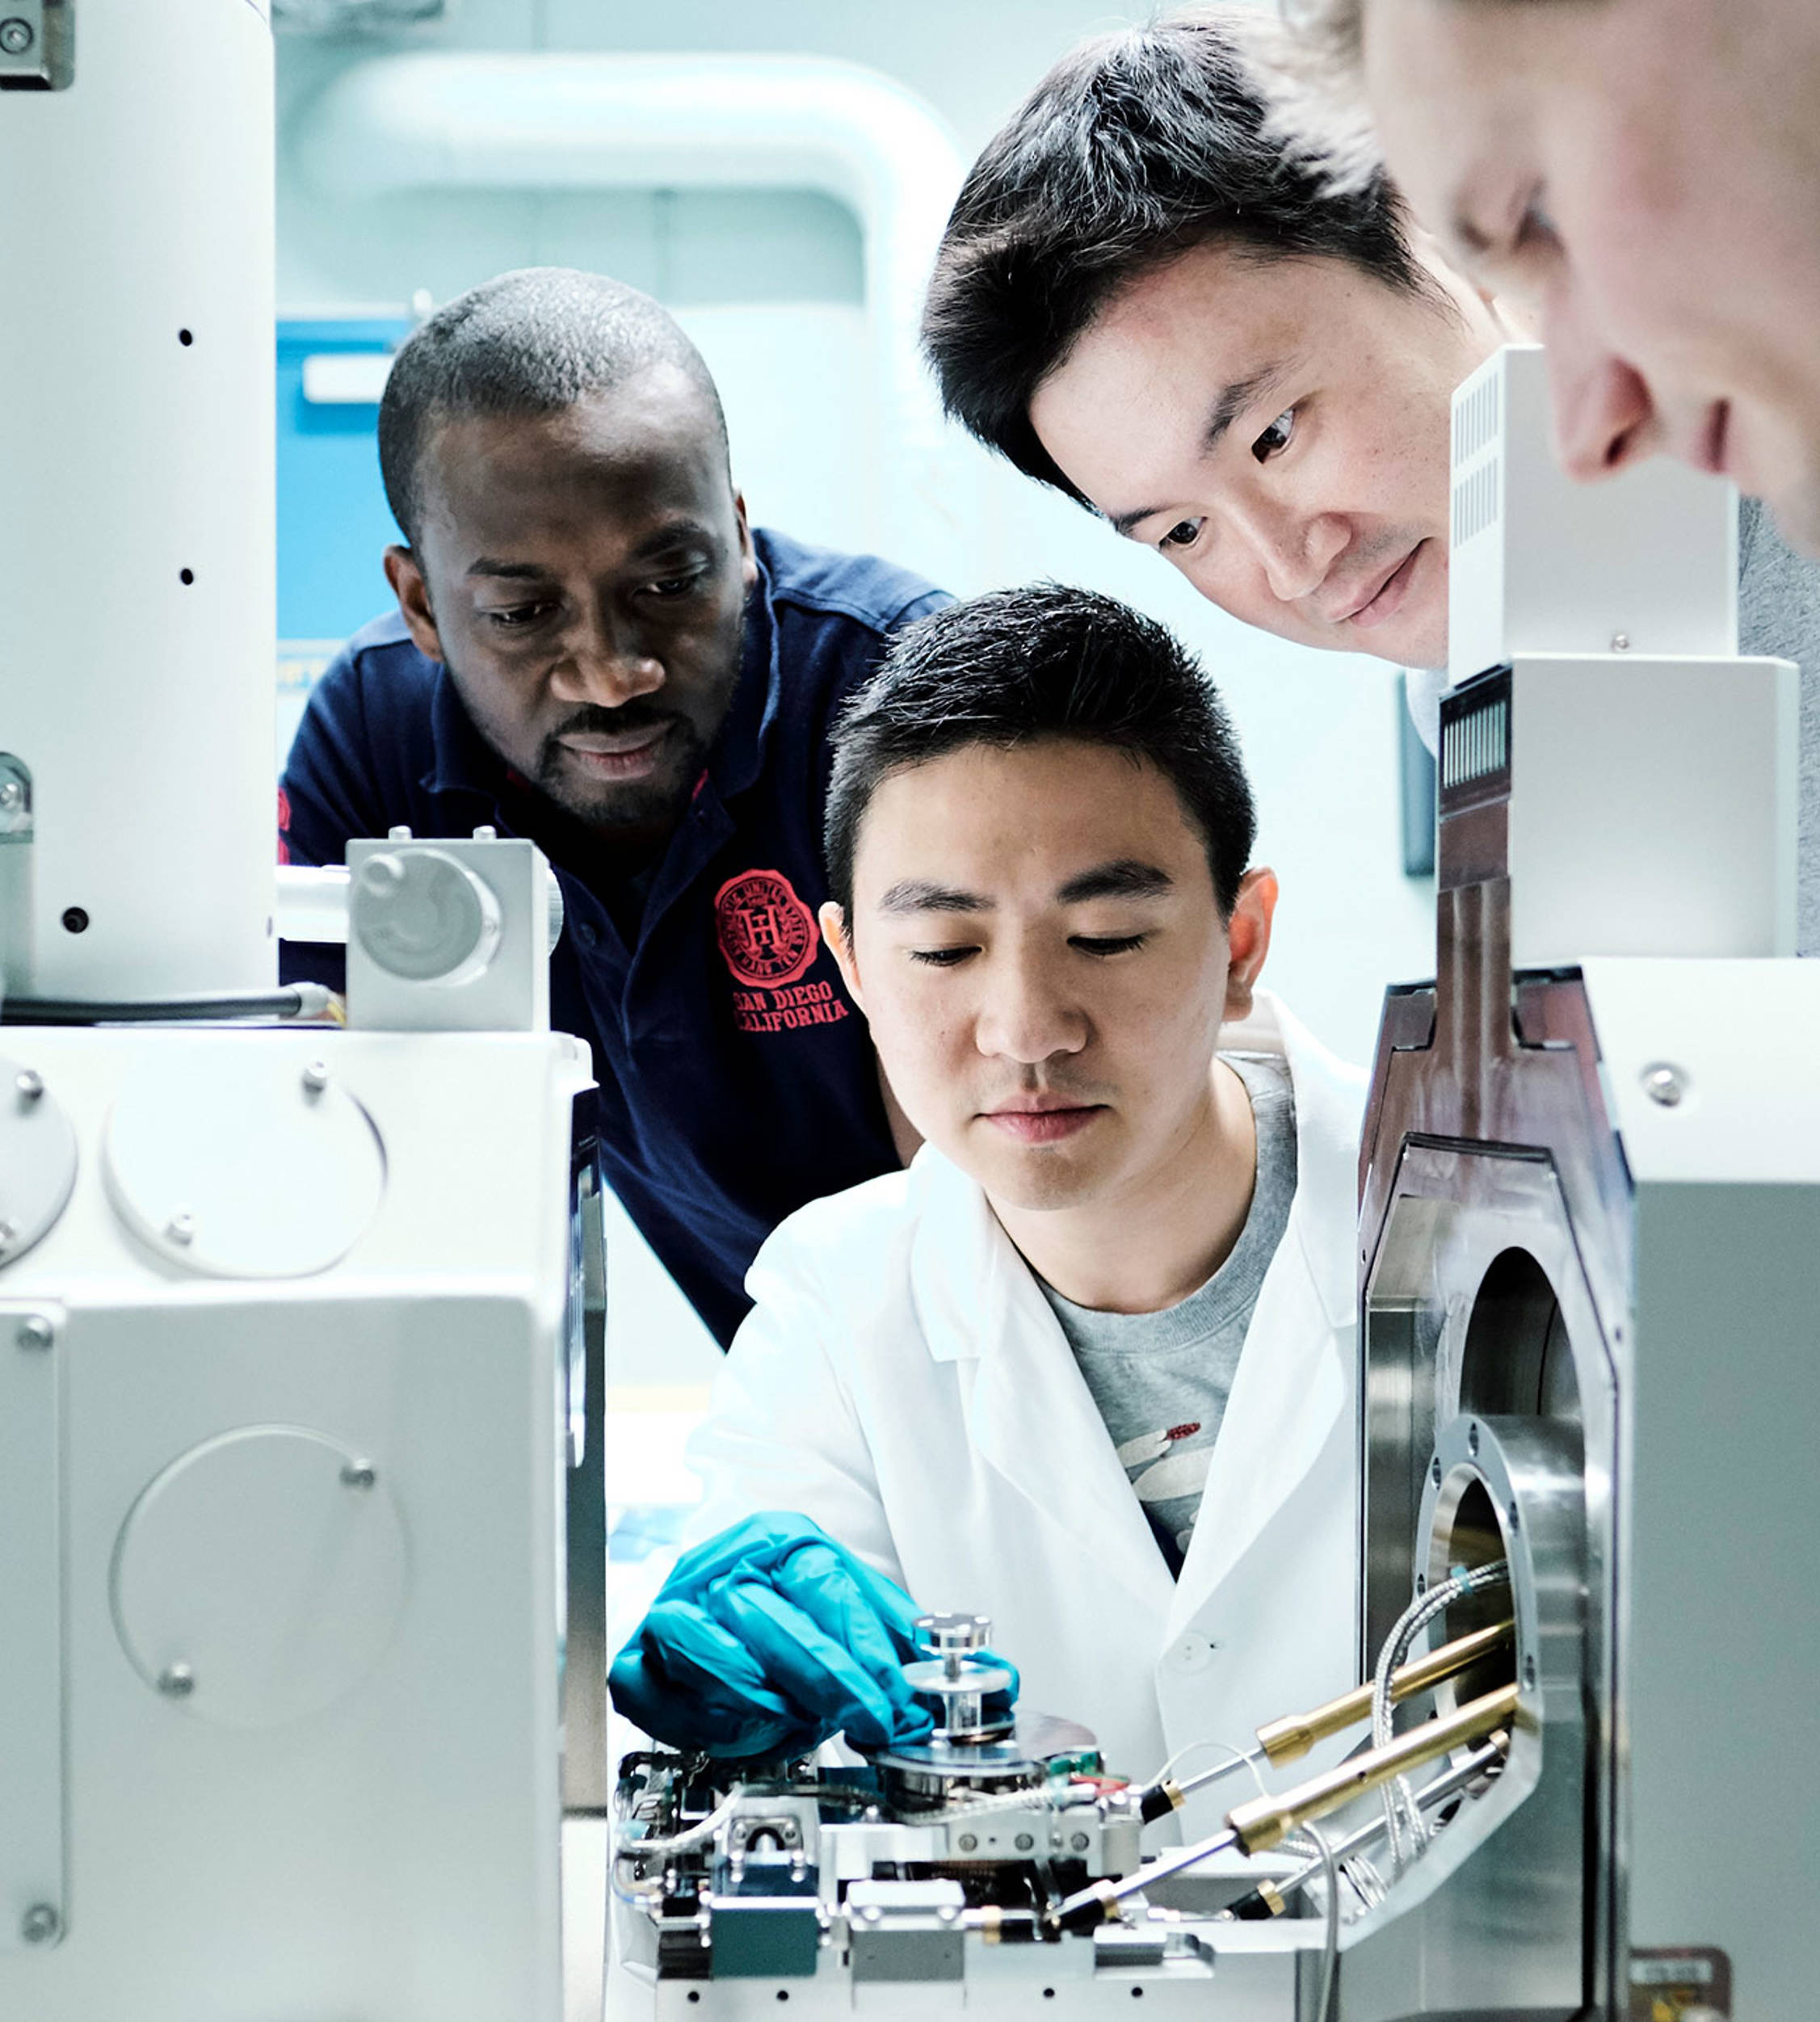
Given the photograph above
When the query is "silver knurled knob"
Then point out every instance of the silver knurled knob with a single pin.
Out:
(943, 1633)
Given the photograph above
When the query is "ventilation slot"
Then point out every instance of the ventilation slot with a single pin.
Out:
(1476, 744)
(1475, 501)
(1475, 420)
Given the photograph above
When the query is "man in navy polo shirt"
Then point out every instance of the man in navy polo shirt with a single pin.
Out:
(593, 649)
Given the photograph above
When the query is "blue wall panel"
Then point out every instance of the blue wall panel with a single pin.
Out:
(332, 523)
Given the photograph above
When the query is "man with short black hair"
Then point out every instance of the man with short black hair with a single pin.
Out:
(1144, 299)
(1086, 1367)
(592, 649)
(1147, 296)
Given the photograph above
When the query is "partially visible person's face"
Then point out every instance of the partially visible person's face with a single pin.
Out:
(582, 575)
(1279, 430)
(1648, 173)
(1037, 946)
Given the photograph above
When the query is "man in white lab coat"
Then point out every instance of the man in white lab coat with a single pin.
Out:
(1086, 1367)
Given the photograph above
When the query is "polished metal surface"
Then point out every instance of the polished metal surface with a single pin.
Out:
(1495, 1254)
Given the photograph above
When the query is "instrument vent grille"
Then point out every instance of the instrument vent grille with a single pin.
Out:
(1475, 498)
(1476, 743)
(1475, 420)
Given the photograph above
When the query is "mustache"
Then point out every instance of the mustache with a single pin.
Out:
(592, 719)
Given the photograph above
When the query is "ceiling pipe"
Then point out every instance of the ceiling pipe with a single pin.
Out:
(575, 121)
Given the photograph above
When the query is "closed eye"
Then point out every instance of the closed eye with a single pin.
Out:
(1275, 438)
(941, 957)
(1105, 945)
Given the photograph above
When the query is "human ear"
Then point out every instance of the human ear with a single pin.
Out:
(748, 555)
(1248, 939)
(406, 574)
(833, 931)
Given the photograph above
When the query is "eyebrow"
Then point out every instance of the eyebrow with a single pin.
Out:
(508, 571)
(1126, 878)
(1123, 878)
(668, 539)
(1233, 399)
(918, 895)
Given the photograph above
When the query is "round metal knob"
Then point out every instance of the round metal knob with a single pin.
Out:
(943, 1633)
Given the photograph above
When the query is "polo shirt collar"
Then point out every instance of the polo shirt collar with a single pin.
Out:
(737, 756)
(461, 759)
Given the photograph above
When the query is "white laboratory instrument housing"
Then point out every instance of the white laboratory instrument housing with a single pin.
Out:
(299, 1451)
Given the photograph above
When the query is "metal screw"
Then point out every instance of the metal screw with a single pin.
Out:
(1516, 1521)
(177, 1681)
(181, 1226)
(948, 1913)
(1079, 1843)
(871, 1913)
(316, 1077)
(30, 1084)
(361, 1474)
(1472, 1440)
(16, 39)
(1620, 642)
(1024, 1843)
(12, 797)
(41, 1924)
(1529, 1672)
(1435, 1471)
(969, 1841)
(1665, 1083)
(35, 1331)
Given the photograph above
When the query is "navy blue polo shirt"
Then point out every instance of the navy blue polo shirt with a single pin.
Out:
(736, 1080)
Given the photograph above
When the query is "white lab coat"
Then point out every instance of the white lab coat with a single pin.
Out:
(903, 1382)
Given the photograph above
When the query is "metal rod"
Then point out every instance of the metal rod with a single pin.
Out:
(1432, 1793)
(1289, 1739)
(1266, 1821)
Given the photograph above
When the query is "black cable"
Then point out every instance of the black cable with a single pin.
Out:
(70, 1010)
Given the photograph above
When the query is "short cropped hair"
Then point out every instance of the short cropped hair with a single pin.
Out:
(532, 341)
(1136, 148)
(1022, 666)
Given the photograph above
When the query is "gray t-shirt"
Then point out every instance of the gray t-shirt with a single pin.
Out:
(1778, 618)
(1162, 1380)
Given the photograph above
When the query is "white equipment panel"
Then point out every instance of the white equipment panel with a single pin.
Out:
(282, 1595)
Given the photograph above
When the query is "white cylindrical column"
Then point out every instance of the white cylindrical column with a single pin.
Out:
(136, 572)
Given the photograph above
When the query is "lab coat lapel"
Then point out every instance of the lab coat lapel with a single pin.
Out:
(1030, 1415)
(1295, 1375)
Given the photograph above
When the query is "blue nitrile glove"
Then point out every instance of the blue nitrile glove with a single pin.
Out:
(766, 1640)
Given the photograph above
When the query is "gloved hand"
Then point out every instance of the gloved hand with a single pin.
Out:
(766, 1640)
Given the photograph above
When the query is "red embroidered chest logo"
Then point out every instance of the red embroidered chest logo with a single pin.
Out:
(768, 938)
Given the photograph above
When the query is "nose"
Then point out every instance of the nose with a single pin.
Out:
(1026, 1014)
(605, 663)
(1294, 549)
(1605, 418)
